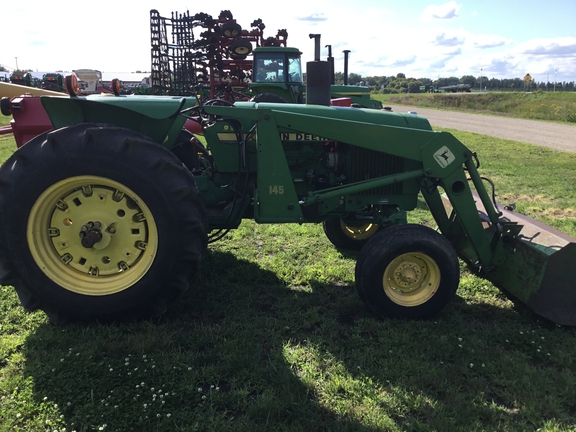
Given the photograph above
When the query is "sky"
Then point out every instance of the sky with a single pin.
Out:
(420, 38)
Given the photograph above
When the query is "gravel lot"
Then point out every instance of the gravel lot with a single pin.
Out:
(556, 136)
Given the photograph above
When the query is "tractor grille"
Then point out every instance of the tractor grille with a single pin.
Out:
(367, 164)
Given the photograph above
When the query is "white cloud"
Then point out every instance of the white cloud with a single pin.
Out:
(313, 17)
(557, 47)
(444, 11)
(443, 39)
(489, 41)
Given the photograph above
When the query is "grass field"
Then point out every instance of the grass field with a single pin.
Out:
(273, 337)
(549, 106)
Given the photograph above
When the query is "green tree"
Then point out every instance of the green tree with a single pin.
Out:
(468, 79)
(354, 78)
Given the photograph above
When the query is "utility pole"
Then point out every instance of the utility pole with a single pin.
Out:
(555, 71)
(480, 79)
(16, 63)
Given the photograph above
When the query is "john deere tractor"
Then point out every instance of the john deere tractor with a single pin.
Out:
(108, 215)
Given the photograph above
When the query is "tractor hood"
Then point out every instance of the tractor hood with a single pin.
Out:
(362, 115)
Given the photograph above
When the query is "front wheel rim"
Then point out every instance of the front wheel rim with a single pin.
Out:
(411, 279)
(123, 235)
(359, 232)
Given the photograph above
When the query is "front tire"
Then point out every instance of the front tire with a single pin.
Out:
(99, 222)
(347, 235)
(407, 271)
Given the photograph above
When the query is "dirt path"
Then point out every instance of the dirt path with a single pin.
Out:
(556, 136)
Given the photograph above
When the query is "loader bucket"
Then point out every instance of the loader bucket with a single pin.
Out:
(538, 268)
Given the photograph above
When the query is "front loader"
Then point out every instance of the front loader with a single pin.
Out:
(108, 215)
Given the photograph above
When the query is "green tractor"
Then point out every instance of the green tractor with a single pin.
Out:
(277, 77)
(109, 215)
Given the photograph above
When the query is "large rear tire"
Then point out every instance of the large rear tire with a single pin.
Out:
(98, 222)
(407, 271)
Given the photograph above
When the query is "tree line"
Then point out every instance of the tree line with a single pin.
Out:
(401, 84)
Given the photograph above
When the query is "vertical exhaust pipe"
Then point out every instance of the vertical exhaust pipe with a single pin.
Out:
(346, 52)
(331, 61)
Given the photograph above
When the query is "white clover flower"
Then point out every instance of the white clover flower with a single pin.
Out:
(168, 415)
(471, 365)
(18, 415)
(200, 389)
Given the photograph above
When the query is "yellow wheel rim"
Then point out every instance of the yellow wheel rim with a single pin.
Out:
(242, 50)
(359, 232)
(411, 279)
(121, 226)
